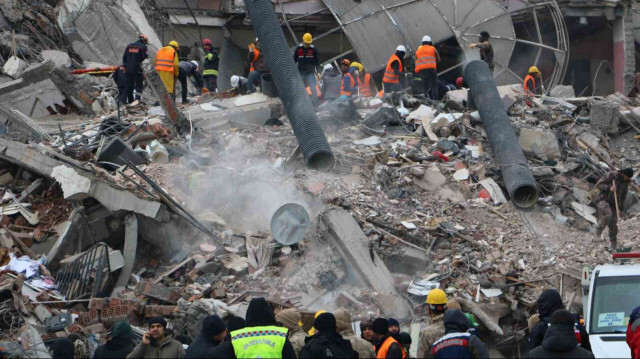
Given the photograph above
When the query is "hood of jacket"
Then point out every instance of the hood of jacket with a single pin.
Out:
(559, 338)
(259, 313)
(455, 321)
(332, 73)
(548, 302)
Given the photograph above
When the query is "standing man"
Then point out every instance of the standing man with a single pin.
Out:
(386, 346)
(211, 63)
(560, 340)
(391, 79)
(349, 81)
(119, 342)
(614, 184)
(486, 50)
(212, 334)
(156, 343)
(326, 342)
(345, 64)
(532, 82)
(167, 65)
(189, 69)
(457, 342)
(306, 56)
(427, 58)
(258, 65)
(437, 303)
(343, 321)
(331, 83)
(290, 319)
(134, 54)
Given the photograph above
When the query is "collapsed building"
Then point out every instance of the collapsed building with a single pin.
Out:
(116, 212)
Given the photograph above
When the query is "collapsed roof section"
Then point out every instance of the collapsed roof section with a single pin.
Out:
(376, 28)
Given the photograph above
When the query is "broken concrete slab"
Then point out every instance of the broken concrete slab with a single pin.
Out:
(57, 58)
(157, 291)
(343, 232)
(563, 91)
(542, 144)
(14, 67)
(129, 252)
(605, 116)
(255, 114)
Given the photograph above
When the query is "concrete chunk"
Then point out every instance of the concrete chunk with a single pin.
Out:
(605, 116)
(57, 58)
(14, 67)
(157, 291)
(542, 144)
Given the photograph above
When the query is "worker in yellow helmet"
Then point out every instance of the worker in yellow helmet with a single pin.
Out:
(437, 304)
(167, 65)
(312, 331)
(306, 56)
(532, 82)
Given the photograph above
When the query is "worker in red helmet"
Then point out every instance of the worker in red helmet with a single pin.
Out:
(134, 54)
(211, 63)
(459, 83)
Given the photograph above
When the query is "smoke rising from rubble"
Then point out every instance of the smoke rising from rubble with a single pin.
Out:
(243, 188)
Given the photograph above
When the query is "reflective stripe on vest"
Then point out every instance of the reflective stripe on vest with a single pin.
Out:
(210, 72)
(207, 71)
(425, 58)
(365, 88)
(352, 83)
(382, 353)
(256, 54)
(527, 88)
(259, 342)
(390, 76)
(165, 59)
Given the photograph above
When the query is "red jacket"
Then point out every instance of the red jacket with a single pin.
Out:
(633, 340)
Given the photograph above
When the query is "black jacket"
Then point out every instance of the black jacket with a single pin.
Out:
(114, 349)
(201, 347)
(307, 58)
(455, 321)
(559, 342)
(188, 69)
(259, 314)
(211, 62)
(261, 63)
(327, 345)
(395, 350)
(134, 54)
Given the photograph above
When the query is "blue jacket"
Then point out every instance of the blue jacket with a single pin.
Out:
(348, 81)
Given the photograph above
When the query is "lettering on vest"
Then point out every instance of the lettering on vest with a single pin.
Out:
(459, 342)
(134, 50)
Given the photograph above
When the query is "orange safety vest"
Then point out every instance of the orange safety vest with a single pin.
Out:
(382, 353)
(529, 89)
(256, 53)
(425, 58)
(353, 83)
(317, 91)
(390, 76)
(165, 59)
(365, 88)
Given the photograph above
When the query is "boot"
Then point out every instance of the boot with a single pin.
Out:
(613, 245)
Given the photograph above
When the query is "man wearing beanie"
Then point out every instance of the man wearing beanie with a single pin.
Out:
(457, 341)
(560, 339)
(118, 343)
(326, 342)
(234, 323)
(633, 333)
(366, 332)
(394, 326)
(156, 343)
(212, 334)
(386, 346)
(613, 185)
(260, 338)
(290, 319)
(343, 322)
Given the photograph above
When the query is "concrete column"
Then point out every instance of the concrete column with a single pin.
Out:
(624, 61)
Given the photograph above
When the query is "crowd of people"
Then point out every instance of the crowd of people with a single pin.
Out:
(553, 333)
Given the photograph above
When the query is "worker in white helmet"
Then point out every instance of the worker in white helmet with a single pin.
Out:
(240, 85)
(189, 69)
(391, 79)
(427, 58)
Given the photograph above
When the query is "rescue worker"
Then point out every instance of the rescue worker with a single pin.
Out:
(189, 69)
(258, 65)
(261, 338)
(457, 342)
(614, 184)
(312, 331)
(548, 302)
(393, 71)
(486, 50)
(306, 56)
(365, 84)
(326, 342)
(331, 83)
(427, 58)
(437, 305)
(157, 343)
(459, 83)
(453, 304)
(345, 64)
(349, 86)
(560, 340)
(532, 82)
(290, 319)
(210, 66)
(212, 334)
(134, 54)
(387, 347)
(633, 333)
(167, 65)
(240, 85)
(363, 347)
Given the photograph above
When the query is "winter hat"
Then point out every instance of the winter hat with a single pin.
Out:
(158, 320)
(213, 325)
(259, 313)
(405, 338)
(122, 329)
(627, 172)
(289, 318)
(380, 326)
(235, 323)
(548, 302)
(562, 317)
(393, 322)
(325, 322)
(343, 319)
(63, 348)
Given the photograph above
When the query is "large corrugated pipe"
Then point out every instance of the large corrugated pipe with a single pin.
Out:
(297, 103)
(506, 148)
